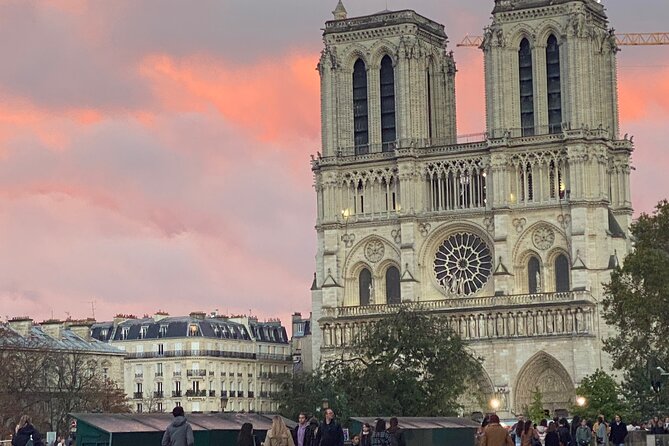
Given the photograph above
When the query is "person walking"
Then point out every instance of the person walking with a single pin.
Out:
(397, 433)
(24, 432)
(583, 434)
(575, 424)
(246, 436)
(179, 432)
(330, 432)
(618, 432)
(517, 430)
(656, 427)
(381, 436)
(529, 435)
(495, 435)
(564, 433)
(300, 433)
(366, 435)
(278, 434)
(552, 438)
(601, 430)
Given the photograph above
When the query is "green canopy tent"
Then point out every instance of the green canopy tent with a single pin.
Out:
(147, 429)
(428, 431)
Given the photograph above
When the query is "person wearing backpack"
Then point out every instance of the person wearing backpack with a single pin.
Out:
(26, 434)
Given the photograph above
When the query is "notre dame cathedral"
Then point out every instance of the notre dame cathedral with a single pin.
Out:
(510, 237)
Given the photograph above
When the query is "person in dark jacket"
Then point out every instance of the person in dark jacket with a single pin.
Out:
(301, 431)
(397, 433)
(618, 432)
(246, 436)
(24, 432)
(366, 435)
(330, 432)
(564, 433)
(552, 438)
(179, 432)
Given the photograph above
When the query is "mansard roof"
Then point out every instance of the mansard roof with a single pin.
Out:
(37, 339)
(181, 327)
(383, 19)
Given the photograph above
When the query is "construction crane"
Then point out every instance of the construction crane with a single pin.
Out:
(621, 39)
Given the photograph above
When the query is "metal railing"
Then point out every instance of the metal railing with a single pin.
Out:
(196, 373)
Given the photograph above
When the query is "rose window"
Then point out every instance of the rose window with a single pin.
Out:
(463, 263)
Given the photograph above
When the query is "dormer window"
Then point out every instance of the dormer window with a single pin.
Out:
(142, 332)
(162, 331)
(193, 330)
(124, 333)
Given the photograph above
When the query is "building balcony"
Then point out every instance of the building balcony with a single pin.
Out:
(196, 373)
(224, 393)
(264, 394)
(459, 304)
(177, 374)
(212, 393)
(159, 374)
(139, 375)
(251, 394)
(138, 395)
(191, 353)
(158, 394)
(273, 357)
(176, 393)
(196, 393)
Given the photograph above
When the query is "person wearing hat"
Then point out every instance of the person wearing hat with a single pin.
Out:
(494, 434)
(179, 432)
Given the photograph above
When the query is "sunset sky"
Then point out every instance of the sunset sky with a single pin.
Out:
(154, 154)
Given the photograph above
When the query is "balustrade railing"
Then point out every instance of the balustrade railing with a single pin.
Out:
(457, 303)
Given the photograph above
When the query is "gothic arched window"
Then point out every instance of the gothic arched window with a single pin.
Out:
(526, 88)
(553, 83)
(360, 122)
(393, 289)
(365, 286)
(561, 273)
(388, 133)
(533, 275)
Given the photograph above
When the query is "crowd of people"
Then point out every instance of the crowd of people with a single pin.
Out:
(561, 432)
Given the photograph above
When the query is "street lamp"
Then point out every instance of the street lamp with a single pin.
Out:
(494, 404)
(346, 237)
(580, 401)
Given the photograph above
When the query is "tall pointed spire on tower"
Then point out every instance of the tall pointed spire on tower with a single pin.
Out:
(340, 12)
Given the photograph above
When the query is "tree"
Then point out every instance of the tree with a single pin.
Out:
(635, 303)
(603, 395)
(50, 384)
(535, 411)
(409, 363)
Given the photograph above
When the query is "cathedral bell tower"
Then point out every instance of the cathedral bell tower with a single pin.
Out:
(386, 82)
(549, 65)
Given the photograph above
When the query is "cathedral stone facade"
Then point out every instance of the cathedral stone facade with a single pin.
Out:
(509, 237)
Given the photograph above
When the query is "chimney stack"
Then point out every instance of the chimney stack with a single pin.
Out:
(21, 325)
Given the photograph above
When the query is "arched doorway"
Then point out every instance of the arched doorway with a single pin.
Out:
(542, 371)
(478, 395)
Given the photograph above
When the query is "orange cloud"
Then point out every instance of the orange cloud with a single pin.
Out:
(641, 93)
(273, 99)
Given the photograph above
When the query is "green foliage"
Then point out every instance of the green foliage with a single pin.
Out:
(407, 364)
(535, 411)
(635, 303)
(603, 395)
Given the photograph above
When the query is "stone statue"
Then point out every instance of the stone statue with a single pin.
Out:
(539, 287)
